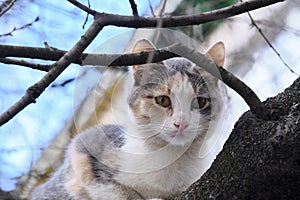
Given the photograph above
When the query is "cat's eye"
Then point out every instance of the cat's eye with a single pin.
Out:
(199, 103)
(163, 101)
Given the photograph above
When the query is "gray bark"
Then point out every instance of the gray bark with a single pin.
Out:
(261, 159)
(8, 195)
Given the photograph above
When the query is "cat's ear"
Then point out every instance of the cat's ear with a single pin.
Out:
(217, 53)
(142, 45)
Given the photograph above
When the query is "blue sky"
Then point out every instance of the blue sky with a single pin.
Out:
(60, 25)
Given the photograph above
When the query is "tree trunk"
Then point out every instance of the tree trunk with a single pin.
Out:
(261, 159)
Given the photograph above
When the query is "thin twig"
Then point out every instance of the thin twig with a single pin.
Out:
(83, 7)
(5, 6)
(253, 23)
(10, 33)
(35, 90)
(25, 64)
(158, 26)
(87, 16)
(63, 84)
(134, 8)
(151, 8)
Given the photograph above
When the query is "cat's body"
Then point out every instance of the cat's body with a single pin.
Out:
(154, 153)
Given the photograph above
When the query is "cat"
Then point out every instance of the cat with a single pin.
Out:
(153, 153)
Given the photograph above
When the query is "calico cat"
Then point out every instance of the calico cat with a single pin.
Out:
(171, 107)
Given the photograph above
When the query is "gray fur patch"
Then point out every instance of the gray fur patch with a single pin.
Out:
(53, 188)
(114, 134)
(150, 73)
(144, 90)
(94, 140)
(97, 140)
(181, 65)
(102, 172)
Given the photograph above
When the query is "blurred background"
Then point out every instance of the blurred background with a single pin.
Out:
(60, 24)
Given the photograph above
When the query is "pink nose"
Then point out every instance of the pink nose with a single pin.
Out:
(181, 125)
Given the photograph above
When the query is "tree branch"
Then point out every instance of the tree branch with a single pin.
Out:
(20, 28)
(82, 7)
(5, 6)
(104, 19)
(223, 13)
(85, 58)
(142, 22)
(253, 23)
(25, 64)
(134, 8)
(87, 15)
(151, 8)
(33, 52)
(35, 90)
(158, 55)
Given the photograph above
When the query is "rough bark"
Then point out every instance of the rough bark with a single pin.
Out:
(7, 196)
(261, 159)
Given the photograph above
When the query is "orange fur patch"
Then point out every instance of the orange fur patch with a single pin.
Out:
(83, 175)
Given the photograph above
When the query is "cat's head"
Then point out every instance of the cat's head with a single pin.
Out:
(175, 100)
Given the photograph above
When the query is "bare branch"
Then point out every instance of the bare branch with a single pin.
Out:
(159, 25)
(142, 22)
(87, 16)
(104, 19)
(82, 7)
(253, 23)
(249, 96)
(63, 83)
(176, 21)
(85, 58)
(134, 8)
(151, 8)
(20, 28)
(5, 6)
(31, 52)
(25, 64)
(174, 51)
(35, 90)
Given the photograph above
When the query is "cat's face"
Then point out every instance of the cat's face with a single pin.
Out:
(172, 101)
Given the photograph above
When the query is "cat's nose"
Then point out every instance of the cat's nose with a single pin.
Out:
(181, 125)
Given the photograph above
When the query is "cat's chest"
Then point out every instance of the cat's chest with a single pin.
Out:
(166, 181)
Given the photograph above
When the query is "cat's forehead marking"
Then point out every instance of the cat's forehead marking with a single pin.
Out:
(180, 85)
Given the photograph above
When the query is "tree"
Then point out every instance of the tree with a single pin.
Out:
(102, 20)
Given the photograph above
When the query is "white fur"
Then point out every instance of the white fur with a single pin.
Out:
(161, 172)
